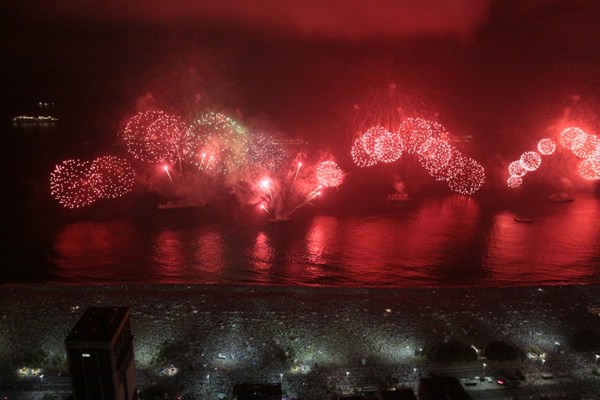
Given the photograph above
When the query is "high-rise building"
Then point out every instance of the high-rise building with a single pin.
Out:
(100, 355)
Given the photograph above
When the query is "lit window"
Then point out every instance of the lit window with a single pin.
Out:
(85, 355)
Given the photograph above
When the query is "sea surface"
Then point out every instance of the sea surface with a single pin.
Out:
(351, 238)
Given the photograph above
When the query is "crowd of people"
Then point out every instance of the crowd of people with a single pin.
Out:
(200, 341)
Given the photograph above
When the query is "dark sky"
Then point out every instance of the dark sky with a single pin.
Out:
(503, 71)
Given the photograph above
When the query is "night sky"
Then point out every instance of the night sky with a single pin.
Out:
(502, 71)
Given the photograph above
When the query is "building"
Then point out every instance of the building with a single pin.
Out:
(398, 394)
(100, 355)
(441, 388)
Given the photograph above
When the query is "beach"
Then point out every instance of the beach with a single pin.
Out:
(315, 341)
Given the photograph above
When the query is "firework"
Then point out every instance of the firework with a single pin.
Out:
(264, 150)
(154, 136)
(453, 167)
(329, 174)
(590, 169)
(470, 177)
(111, 176)
(70, 184)
(166, 169)
(415, 131)
(586, 148)
(265, 184)
(516, 169)
(434, 156)
(514, 182)
(546, 146)
(571, 137)
(360, 157)
(530, 160)
(388, 147)
(297, 170)
(219, 137)
(264, 207)
(371, 136)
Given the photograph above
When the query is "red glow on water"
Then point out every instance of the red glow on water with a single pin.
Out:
(91, 250)
(261, 255)
(550, 246)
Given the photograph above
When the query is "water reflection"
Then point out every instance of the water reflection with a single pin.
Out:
(208, 255)
(439, 242)
(558, 246)
(94, 252)
(169, 254)
(387, 250)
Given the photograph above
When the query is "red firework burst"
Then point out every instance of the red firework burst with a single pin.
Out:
(546, 146)
(70, 184)
(111, 176)
(453, 168)
(154, 136)
(571, 136)
(360, 157)
(586, 148)
(371, 136)
(329, 174)
(516, 169)
(221, 137)
(388, 147)
(435, 155)
(530, 160)
(415, 131)
(514, 182)
(590, 169)
(470, 177)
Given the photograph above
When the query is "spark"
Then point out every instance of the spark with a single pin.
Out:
(297, 170)
(166, 169)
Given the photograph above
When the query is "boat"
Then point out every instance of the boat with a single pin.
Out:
(42, 117)
(398, 196)
(37, 119)
(560, 198)
(523, 220)
(170, 205)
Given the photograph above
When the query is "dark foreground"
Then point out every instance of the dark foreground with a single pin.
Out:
(199, 341)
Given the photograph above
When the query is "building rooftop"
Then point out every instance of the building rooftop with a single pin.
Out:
(98, 324)
(398, 394)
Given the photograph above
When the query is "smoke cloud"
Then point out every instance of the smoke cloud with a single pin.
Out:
(334, 18)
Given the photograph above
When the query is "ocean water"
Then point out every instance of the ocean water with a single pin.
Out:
(439, 240)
